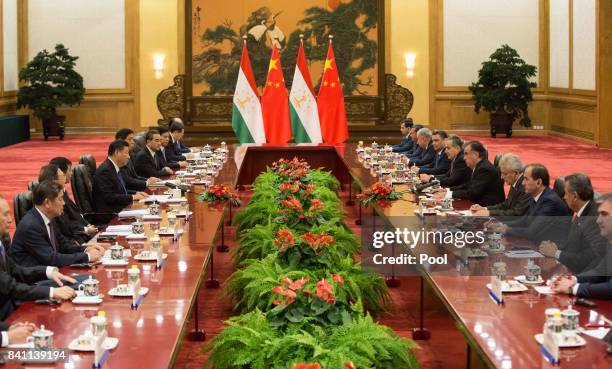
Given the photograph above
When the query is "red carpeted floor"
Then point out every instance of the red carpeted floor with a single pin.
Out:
(447, 348)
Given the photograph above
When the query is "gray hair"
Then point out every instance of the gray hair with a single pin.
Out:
(455, 141)
(424, 132)
(605, 197)
(580, 183)
(511, 161)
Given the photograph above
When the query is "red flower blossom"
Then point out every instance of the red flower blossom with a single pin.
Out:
(295, 285)
(307, 366)
(349, 365)
(315, 205)
(284, 239)
(338, 278)
(293, 203)
(318, 240)
(309, 188)
(289, 294)
(325, 291)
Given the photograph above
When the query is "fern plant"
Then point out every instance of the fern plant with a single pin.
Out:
(249, 341)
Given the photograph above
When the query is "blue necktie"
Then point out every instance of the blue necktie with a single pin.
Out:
(122, 182)
(437, 160)
(2, 253)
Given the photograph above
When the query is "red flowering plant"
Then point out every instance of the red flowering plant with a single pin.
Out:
(290, 170)
(380, 193)
(220, 194)
(322, 302)
(307, 250)
(300, 212)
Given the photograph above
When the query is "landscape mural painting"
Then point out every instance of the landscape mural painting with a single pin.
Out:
(218, 28)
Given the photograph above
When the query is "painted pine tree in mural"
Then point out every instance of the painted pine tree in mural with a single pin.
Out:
(349, 22)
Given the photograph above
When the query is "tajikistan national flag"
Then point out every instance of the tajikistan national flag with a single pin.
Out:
(247, 120)
(303, 105)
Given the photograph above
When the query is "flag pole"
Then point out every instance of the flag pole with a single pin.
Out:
(331, 37)
(301, 38)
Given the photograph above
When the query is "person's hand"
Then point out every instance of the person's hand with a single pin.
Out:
(139, 196)
(152, 180)
(440, 194)
(168, 170)
(182, 164)
(95, 246)
(19, 332)
(563, 284)
(424, 177)
(484, 212)
(63, 293)
(94, 254)
(474, 208)
(90, 229)
(58, 277)
(548, 248)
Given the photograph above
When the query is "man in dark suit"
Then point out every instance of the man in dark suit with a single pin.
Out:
(133, 182)
(416, 149)
(585, 247)
(441, 163)
(177, 131)
(596, 282)
(166, 156)
(406, 144)
(36, 240)
(458, 173)
(110, 194)
(517, 202)
(16, 282)
(147, 163)
(71, 222)
(428, 153)
(16, 333)
(547, 217)
(71, 231)
(485, 186)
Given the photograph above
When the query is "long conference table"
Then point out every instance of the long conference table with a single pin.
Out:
(150, 336)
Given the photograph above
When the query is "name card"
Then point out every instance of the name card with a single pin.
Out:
(99, 352)
(495, 291)
(550, 347)
(135, 295)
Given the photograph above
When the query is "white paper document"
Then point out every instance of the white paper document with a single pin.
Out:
(135, 213)
(523, 254)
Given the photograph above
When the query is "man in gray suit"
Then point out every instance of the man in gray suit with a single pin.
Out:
(517, 202)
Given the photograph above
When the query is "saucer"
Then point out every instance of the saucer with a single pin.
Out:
(113, 262)
(510, 287)
(110, 343)
(81, 299)
(113, 292)
(522, 279)
(168, 232)
(502, 248)
(576, 340)
(150, 257)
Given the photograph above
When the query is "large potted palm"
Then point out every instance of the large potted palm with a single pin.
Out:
(504, 90)
(50, 81)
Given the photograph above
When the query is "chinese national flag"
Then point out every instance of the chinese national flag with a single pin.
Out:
(275, 104)
(330, 102)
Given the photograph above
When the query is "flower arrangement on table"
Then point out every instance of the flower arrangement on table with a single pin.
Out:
(380, 193)
(296, 313)
(220, 194)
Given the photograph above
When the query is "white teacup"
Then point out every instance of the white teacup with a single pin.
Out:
(41, 338)
(90, 287)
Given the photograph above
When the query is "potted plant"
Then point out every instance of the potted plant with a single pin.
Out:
(50, 81)
(504, 90)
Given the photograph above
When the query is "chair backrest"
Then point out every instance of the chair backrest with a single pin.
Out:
(81, 183)
(559, 186)
(31, 185)
(89, 161)
(22, 203)
(497, 159)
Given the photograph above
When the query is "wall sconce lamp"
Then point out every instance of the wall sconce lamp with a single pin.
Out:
(158, 65)
(410, 63)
